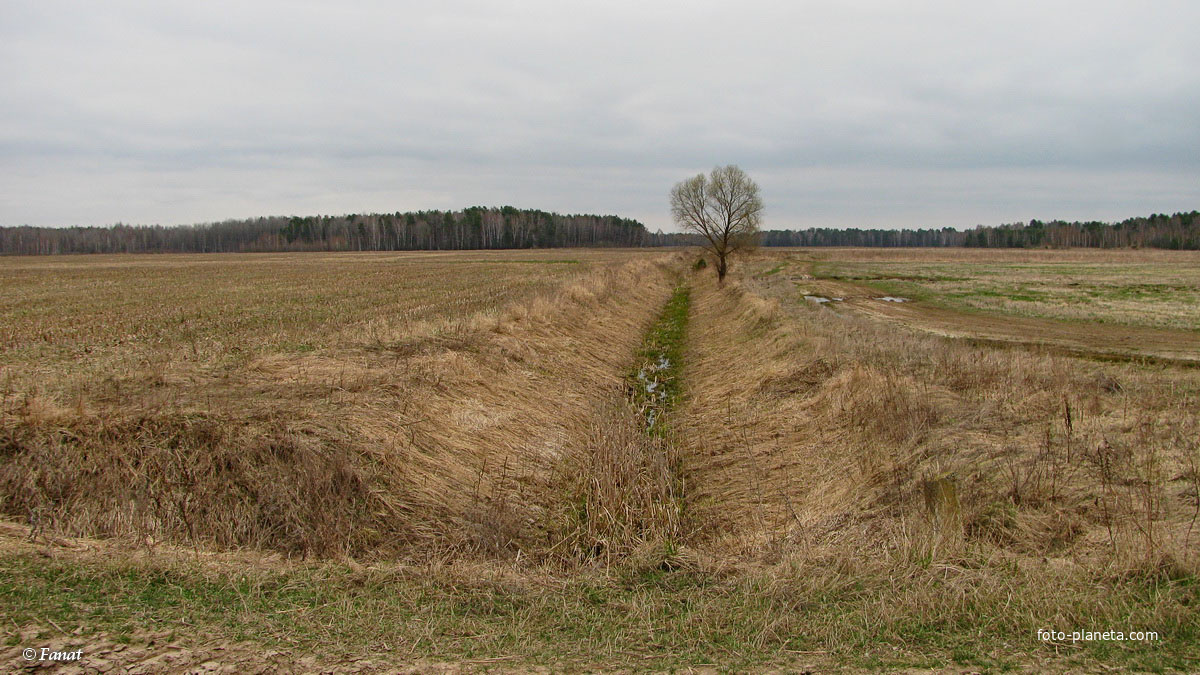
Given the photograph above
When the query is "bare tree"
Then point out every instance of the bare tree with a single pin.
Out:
(723, 207)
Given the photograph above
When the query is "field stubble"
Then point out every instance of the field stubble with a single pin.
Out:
(941, 477)
(841, 490)
(1150, 288)
(427, 411)
(1059, 455)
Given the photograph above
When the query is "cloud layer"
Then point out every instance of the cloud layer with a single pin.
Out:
(849, 114)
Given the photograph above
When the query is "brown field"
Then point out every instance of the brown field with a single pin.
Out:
(1123, 305)
(112, 313)
(1143, 288)
(440, 461)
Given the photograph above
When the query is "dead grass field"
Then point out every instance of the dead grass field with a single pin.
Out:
(441, 462)
(1132, 304)
(96, 315)
(310, 408)
(829, 438)
(1153, 288)
(897, 405)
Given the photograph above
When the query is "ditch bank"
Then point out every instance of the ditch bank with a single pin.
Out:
(627, 491)
(421, 444)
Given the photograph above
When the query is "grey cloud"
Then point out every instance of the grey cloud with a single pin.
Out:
(869, 113)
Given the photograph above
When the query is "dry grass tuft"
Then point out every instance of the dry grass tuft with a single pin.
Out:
(435, 437)
(197, 478)
(828, 430)
(821, 483)
(624, 495)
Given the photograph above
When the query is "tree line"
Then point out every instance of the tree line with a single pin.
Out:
(1158, 230)
(1176, 231)
(471, 228)
(508, 227)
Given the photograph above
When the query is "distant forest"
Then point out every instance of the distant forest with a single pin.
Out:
(472, 228)
(508, 227)
(1177, 231)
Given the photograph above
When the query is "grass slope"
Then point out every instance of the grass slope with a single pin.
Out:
(483, 491)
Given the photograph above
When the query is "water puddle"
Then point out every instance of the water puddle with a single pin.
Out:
(820, 299)
(892, 298)
(655, 383)
(652, 378)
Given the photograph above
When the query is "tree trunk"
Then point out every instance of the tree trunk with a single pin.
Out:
(721, 269)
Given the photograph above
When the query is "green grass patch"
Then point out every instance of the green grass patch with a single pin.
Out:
(663, 343)
(1142, 294)
(864, 615)
(903, 289)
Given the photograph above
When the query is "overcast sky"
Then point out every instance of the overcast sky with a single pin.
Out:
(868, 114)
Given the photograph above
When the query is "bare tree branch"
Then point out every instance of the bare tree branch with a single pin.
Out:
(723, 207)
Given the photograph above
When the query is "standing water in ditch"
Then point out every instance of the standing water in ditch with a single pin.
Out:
(628, 493)
(655, 380)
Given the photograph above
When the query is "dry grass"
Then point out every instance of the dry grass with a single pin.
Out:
(626, 492)
(1137, 288)
(822, 436)
(73, 320)
(624, 498)
(991, 256)
(392, 436)
(824, 489)
(937, 475)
